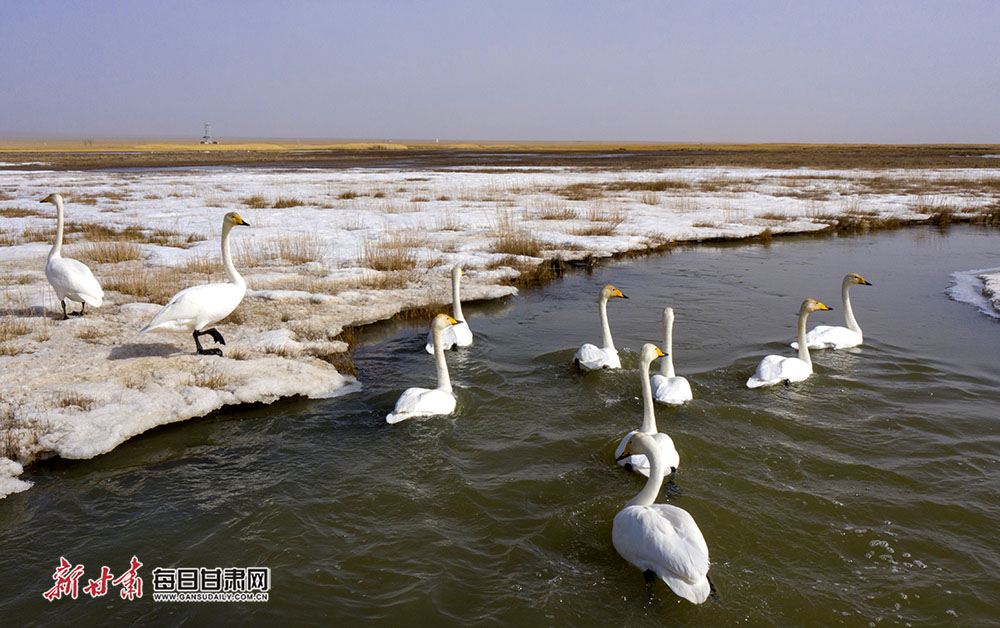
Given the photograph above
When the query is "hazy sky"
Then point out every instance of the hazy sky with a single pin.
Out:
(825, 71)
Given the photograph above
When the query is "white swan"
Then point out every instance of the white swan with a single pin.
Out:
(661, 538)
(69, 278)
(670, 458)
(459, 334)
(667, 386)
(835, 337)
(198, 307)
(775, 369)
(590, 357)
(416, 402)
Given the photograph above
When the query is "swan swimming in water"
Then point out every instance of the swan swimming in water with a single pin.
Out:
(459, 334)
(661, 538)
(667, 386)
(590, 357)
(69, 278)
(416, 402)
(835, 337)
(775, 369)
(194, 309)
(638, 462)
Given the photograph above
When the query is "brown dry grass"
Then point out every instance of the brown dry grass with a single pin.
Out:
(293, 250)
(511, 238)
(19, 212)
(396, 251)
(110, 252)
(153, 285)
(256, 201)
(12, 327)
(553, 209)
(283, 203)
(76, 400)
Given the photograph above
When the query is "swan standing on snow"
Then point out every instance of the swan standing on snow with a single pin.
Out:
(667, 386)
(835, 337)
(69, 278)
(590, 357)
(660, 538)
(459, 334)
(775, 369)
(427, 401)
(638, 462)
(195, 308)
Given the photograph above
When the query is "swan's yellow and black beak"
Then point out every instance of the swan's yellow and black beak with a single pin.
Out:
(626, 452)
(238, 220)
(47, 199)
(618, 293)
(660, 353)
(452, 321)
(864, 282)
(823, 307)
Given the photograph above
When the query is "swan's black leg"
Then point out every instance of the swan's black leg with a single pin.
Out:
(65, 315)
(83, 306)
(202, 351)
(216, 336)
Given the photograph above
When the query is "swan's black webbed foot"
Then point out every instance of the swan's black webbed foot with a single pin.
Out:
(713, 593)
(788, 382)
(215, 335)
(628, 466)
(672, 489)
(649, 576)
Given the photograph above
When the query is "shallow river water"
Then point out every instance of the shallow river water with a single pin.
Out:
(866, 495)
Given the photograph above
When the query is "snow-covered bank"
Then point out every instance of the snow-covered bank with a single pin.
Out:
(331, 248)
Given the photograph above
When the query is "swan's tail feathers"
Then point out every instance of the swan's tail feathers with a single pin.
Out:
(91, 300)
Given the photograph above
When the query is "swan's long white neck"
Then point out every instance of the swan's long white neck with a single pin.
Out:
(456, 300)
(648, 494)
(667, 363)
(602, 305)
(56, 250)
(444, 381)
(845, 296)
(648, 417)
(227, 259)
(803, 345)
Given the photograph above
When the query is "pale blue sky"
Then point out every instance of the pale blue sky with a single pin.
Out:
(866, 71)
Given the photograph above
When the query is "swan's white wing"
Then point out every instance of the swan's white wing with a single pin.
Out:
(197, 307)
(591, 357)
(421, 402)
(73, 279)
(665, 540)
(672, 390)
(831, 337)
(639, 462)
(458, 334)
(774, 369)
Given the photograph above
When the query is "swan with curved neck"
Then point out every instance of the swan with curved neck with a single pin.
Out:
(638, 462)
(661, 538)
(775, 369)
(590, 357)
(459, 334)
(70, 279)
(836, 337)
(194, 310)
(668, 387)
(416, 402)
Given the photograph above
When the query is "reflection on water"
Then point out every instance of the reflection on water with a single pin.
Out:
(865, 494)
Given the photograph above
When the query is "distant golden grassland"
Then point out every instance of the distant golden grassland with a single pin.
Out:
(86, 154)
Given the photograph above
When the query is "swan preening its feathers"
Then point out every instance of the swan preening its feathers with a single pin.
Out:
(661, 538)
(638, 462)
(194, 310)
(69, 278)
(459, 334)
(775, 369)
(667, 386)
(590, 357)
(835, 337)
(416, 402)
